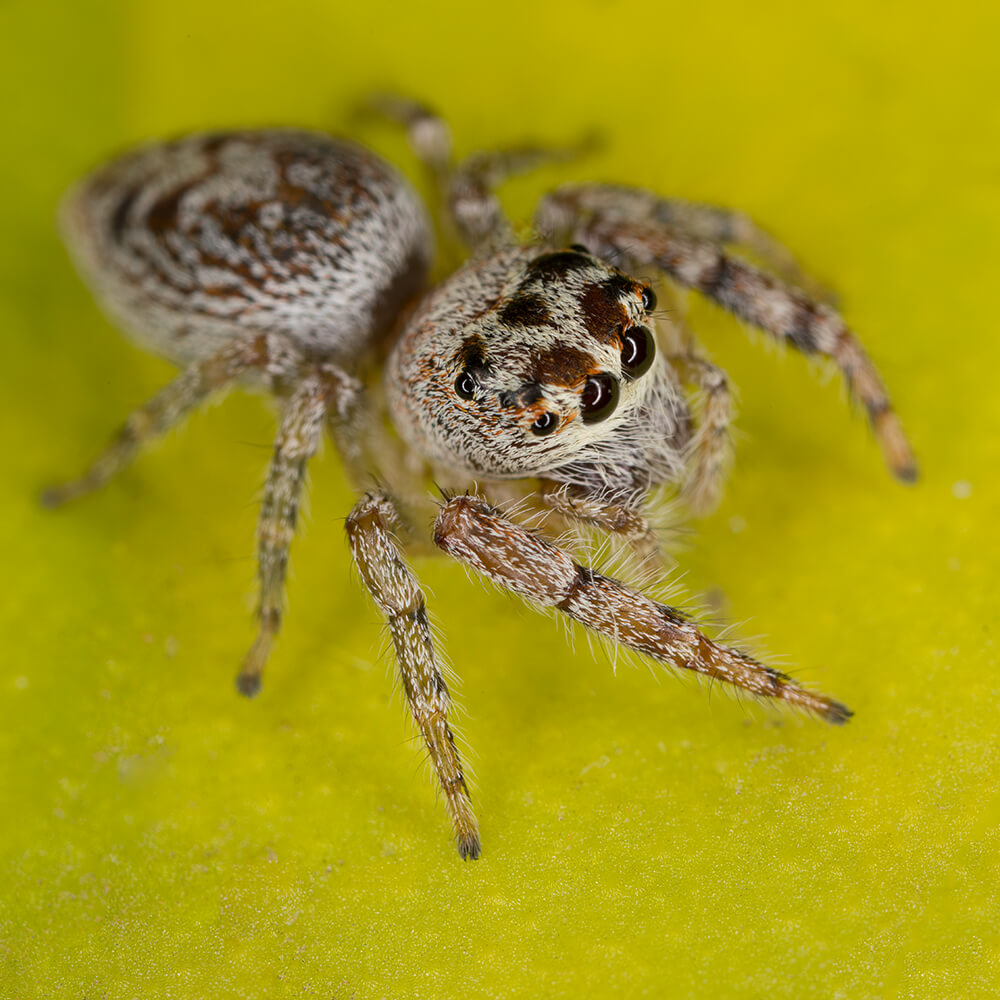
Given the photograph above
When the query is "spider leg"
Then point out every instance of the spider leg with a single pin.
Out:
(353, 427)
(710, 451)
(428, 133)
(786, 313)
(470, 530)
(466, 190)
(167, 408)
(399, 597)
(299, 436)
(618, 518)
(724, 226)
(472, 200)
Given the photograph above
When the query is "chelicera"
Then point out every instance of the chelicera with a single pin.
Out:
(538, 371)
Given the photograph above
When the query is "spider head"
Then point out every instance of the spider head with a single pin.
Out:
(524, 362)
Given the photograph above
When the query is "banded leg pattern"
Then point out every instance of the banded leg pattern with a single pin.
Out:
(298, 440)
(471, 531)
(784, 312)
(621, 520)
(605, 221)
(166, 409)
(399, 597)
(710, 451)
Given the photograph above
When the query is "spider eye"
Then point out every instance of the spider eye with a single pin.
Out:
(648, 299)
(466, 385)
(545, 424)
(638, 351)
(599, 399)
(579, 248)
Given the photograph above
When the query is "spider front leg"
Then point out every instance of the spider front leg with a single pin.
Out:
(399, 597)
(470, 530)
(749, 293)
(305, 411)
(166, 409)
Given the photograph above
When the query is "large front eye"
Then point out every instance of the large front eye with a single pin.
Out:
(638, 351)
(466, 385)
(599, 399)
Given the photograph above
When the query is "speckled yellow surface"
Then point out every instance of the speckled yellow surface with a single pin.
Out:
(163, 838)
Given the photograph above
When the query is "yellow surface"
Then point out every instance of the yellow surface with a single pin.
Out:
(163, 838)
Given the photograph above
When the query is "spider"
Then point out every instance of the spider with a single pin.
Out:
(298, 263)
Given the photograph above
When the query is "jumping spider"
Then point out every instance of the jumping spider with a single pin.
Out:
(291, 260)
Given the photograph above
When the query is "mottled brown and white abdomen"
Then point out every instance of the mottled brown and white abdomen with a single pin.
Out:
(192, 242)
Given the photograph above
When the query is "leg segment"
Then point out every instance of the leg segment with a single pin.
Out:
(298, 439)
(163, 411)
(427, 132)
(619, 519)
(353, 427)
(707, 222)
(467, 189)
(472, 200)
(765, 302)
(400, 599)
(471, 531)
(710, 450)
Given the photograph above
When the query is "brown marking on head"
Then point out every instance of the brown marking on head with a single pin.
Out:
(553, 266)
(526, 309)
(472, 353)
(604, 313)
(561, 366)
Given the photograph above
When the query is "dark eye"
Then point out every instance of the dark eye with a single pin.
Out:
(579, 248)
(545, 424)
(638, 351)
(599, 399)
(648, 299)
(466, 385)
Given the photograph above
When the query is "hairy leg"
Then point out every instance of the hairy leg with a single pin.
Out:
(399, 597)
(710, 452)
(470, 530)
(298, 439)
(354, 429)
(620, 519)
(428, 133)
(749, 293)
(708, 222)
(167, 408)
(466, 190)
(472, 199)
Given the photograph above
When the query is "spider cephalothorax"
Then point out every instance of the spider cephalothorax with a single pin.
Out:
(524, 362)
(288, 260)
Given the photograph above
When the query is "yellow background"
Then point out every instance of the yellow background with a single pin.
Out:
(162, 837)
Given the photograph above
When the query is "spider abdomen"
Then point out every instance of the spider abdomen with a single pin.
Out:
(192, 242)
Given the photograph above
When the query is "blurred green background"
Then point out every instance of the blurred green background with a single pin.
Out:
(164, 838)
